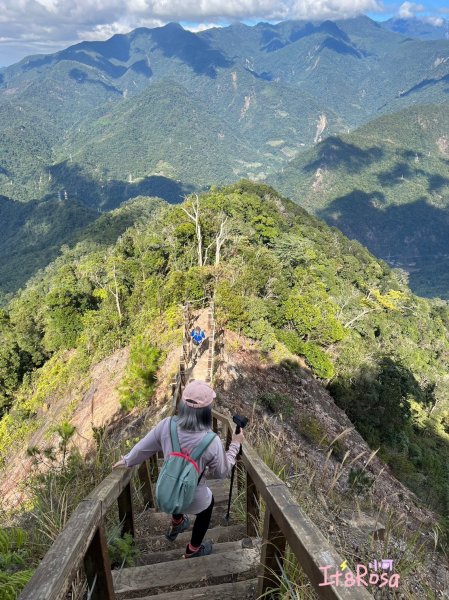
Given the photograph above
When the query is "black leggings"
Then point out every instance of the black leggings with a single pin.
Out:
(201, 524)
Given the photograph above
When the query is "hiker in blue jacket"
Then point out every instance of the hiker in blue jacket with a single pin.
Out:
(197, 335)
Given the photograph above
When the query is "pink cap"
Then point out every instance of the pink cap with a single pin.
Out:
(198, 394)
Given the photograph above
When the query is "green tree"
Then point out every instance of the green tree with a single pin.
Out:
(140, 379)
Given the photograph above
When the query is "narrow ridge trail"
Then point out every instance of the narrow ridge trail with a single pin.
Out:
(242, 566)
(199, 368)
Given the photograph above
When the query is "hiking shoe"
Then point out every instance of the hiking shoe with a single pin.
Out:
(205, 549)
(174, 531)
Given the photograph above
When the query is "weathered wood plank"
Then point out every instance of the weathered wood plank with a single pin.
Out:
(239, 590)
(176, 553)
(217, 534)
(252, 507)
(98, 568)
(190, 571)
(229, 430)
(305, 539)
(59, 565)
(308, 544)
(273, 550)
(159, 521)
(110, 488)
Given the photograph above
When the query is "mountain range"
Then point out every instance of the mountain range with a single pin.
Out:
(164, 111)
(424, 29)
(386, 184)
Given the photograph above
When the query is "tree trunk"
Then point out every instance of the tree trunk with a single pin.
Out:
(116, 296)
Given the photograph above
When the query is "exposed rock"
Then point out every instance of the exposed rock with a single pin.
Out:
(368, 524)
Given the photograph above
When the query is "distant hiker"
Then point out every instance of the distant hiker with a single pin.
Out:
(197, 335)
(192, 427)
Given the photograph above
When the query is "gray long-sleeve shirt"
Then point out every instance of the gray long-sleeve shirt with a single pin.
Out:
(218, 462)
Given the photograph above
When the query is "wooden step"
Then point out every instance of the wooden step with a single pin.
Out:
(155, 524)
(220, 489)
(239, 590)
(153, 558)
(181, 573)
(156, 543)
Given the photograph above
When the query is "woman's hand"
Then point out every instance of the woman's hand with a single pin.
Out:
(120, 463)
(237, 438)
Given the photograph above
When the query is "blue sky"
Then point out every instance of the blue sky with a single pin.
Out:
(45, 26)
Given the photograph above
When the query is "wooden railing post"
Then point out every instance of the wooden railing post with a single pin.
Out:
(252, 507)
(98, 567)
(83, 539)
(182, 371)
(214, 424)
(154, 467)
(240, 474)
(147, 486)
(273, 549)
(125, 511)
(148, 473)
(228, 436)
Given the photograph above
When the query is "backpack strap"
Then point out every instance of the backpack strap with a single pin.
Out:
(203, 445)
(174, 436)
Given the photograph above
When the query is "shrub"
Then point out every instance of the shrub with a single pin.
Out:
(311, 429)
(277, 403)
(261, 330)
(338, 450)
(318, 360)
(122, 550)
(13, 559)
(139, 382)
(359, 481)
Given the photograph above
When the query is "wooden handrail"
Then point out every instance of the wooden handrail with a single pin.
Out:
(83, 532)
(285, 522)
(211, 355)
(83, 539)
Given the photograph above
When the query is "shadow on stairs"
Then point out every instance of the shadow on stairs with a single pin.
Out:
(163, 574)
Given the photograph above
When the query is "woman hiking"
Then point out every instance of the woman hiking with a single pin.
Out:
(193, 424)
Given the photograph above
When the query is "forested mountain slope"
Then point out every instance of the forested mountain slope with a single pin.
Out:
(160, 112)
(282, 278)
(276, 88)
(35, 233)
(421, 28)
(387, 185)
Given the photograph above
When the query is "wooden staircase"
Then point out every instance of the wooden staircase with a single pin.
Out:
(163, 574)
(242, 566)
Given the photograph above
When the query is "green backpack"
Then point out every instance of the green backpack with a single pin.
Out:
(180, 474)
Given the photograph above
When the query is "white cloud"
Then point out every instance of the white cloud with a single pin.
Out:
(408, 10)
(435, 21)
(310, 9)
(201, 27)
(104, 32)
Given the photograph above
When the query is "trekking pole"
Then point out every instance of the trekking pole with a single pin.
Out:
(241, 422)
